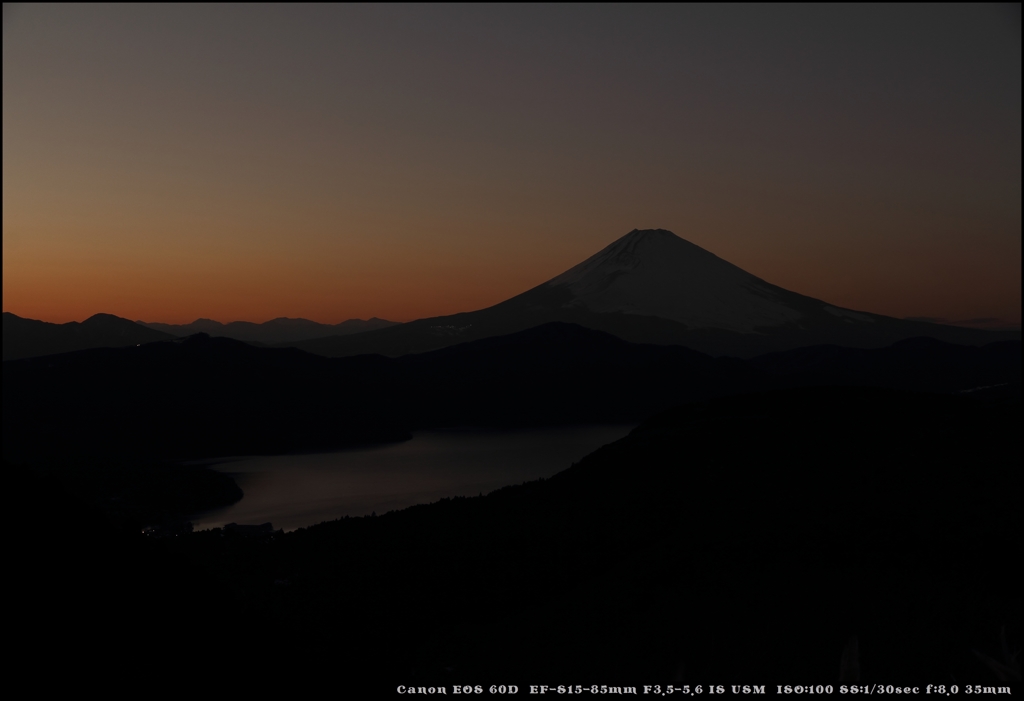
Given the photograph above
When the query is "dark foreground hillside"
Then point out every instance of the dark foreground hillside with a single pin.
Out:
(194, 398)
(95, 603)
(203, 397)
(743, 540)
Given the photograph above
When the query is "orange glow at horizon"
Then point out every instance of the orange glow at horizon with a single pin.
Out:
(349, 162)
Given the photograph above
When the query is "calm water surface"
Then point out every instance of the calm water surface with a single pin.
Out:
(294, 491)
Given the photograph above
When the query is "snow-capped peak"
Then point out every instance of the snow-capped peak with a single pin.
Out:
(656, 273)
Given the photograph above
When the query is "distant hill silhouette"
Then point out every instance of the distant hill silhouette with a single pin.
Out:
(652, 286)
(202, 396)
(195, 397)
(26, 338)
(648, 287)
(279, 331)
(920, 364)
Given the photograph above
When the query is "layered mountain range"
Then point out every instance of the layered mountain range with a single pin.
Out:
(282, 330)
(201, 396)
(652, 286)
(649, 286)
(29, 338)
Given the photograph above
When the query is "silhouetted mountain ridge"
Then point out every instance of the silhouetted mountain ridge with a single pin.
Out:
(203, 396)
(276, 331)
(652, 286)
(649, 286)
(195, 397)
(24, 338)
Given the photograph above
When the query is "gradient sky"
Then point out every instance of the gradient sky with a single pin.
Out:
(248, 162)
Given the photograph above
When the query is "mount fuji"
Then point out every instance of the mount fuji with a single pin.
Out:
(651, 286)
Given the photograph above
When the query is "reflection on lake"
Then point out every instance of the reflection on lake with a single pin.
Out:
(294, 491)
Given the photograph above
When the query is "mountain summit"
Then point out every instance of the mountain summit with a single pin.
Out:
(651, 286)
(656, 273)
(25, 338)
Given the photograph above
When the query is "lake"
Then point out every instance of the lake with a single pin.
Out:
(295, 491)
